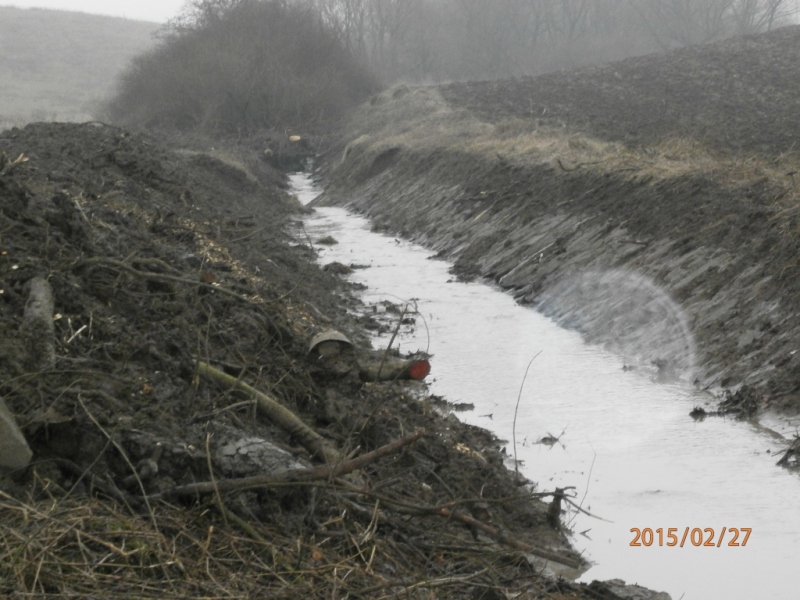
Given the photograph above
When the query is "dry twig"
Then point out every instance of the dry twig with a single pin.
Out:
(295, 476)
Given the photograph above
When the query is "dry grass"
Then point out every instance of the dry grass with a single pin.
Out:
(86, 547)
(81, 546)
(422, 120)
(225, 158)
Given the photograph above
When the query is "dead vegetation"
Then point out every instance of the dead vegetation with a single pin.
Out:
(243, 66)
(181, 319)
(84, 547)
(725, 112)
(423, 121)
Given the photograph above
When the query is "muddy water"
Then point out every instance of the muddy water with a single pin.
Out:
(624, 439)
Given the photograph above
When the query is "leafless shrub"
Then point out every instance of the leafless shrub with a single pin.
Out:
(233, 65)
(674, 23)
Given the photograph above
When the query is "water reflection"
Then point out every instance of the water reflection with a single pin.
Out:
(625, 441)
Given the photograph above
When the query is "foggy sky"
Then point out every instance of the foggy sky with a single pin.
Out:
(158, 11)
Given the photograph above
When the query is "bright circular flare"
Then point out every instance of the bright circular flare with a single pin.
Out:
(628, 314)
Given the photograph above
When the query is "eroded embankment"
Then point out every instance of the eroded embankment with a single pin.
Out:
(591, 231)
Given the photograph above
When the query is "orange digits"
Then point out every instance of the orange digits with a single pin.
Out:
(696, 536)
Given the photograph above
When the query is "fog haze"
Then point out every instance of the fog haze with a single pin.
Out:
(158, 11)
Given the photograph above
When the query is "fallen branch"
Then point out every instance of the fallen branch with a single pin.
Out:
(111, 262)
(277, 413)
(14, 450)
(559, 493)
(584, 511)
(294, 476)
(7, 165)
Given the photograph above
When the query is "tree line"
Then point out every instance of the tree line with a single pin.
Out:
(244, 65)
(440, 40)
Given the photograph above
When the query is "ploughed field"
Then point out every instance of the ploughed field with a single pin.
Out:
(741, 95)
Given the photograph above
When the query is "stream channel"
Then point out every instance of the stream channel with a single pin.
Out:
(625, 440)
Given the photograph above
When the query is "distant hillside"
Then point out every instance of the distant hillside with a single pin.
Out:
(56, 65)
(741, 94)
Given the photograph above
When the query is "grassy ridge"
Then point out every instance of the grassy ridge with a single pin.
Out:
(58, 64)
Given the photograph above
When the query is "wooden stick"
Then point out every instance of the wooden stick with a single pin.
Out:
(391, 341)
(277, 413)
(7, 165)
(295, 475)
(38, 326)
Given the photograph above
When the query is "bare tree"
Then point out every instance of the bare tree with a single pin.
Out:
(752, 16)
(255, 65)
(475, 39)
(201, 13)
(390, 29)
(684, 22)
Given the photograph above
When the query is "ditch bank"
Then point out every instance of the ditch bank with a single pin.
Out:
(151, 469)
(592, 231)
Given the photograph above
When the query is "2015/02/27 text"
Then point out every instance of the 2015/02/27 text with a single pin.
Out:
(693, 535)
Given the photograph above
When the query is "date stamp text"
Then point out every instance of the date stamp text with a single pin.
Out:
(694, 536)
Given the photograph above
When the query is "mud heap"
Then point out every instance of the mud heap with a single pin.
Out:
(156, 471)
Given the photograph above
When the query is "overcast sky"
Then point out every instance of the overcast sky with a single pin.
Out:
(142, 10)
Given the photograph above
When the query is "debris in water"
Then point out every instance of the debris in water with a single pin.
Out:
(698, 413)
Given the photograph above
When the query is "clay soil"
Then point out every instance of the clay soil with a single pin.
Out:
(159, 258)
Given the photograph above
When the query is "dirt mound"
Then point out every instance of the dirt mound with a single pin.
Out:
(148, 478)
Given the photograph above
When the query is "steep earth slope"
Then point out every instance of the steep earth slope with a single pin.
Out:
(590, 193)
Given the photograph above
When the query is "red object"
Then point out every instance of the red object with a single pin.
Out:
(419, 369)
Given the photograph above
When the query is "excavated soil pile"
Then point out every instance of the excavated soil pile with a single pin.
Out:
(586, 192)
(161, 262)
